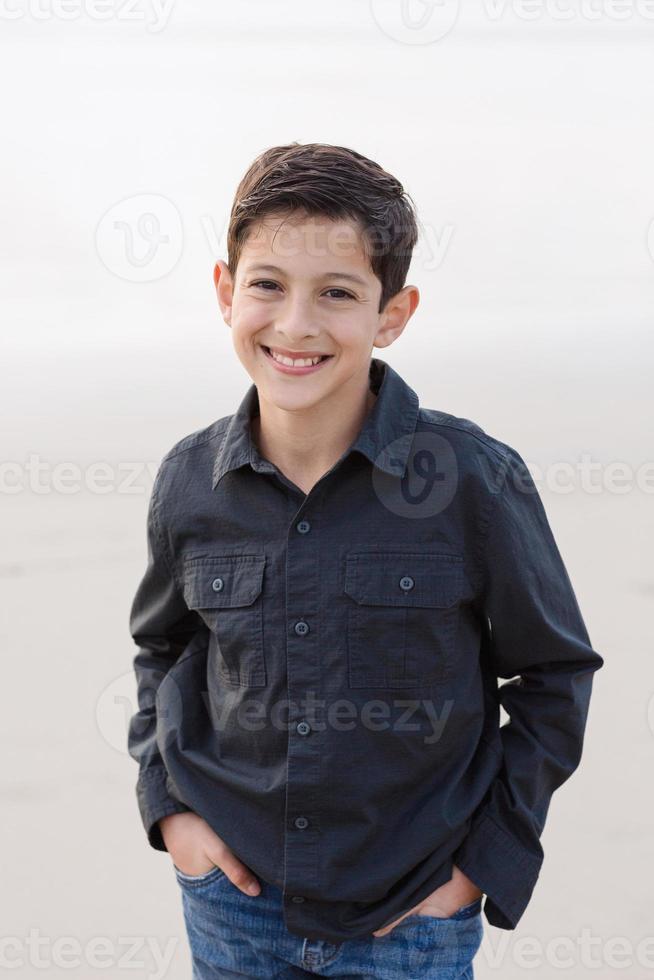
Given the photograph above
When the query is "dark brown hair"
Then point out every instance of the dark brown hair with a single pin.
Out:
(338, 183)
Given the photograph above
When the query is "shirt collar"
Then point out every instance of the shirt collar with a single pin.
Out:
(385, 437)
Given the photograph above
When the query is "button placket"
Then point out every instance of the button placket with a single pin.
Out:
(304, 673)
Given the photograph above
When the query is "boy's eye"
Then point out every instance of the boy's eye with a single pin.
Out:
(269, 286)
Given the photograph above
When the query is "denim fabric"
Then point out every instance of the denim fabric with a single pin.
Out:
(234, 935)
(319, 674)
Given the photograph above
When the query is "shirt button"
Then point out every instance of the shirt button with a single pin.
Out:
(301, 822)
(297, 898)
(406, 583)
(303, 728)
(301, 628)
(303, 527)
(217, 584)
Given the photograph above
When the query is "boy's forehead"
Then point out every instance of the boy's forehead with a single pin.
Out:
(312, 237)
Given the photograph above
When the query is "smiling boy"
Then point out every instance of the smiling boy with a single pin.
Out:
(335, 574)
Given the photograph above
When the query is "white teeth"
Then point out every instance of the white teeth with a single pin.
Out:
(298, 362)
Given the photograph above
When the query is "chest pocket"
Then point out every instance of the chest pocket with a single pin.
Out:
(226, 592)
(402, 618)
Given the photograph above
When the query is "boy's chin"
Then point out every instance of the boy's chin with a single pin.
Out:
(296, 401)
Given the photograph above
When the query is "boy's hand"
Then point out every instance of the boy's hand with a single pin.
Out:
(195, 849)
(445, 901)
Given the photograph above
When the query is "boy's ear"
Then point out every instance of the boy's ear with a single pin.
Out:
(224, 289)
(396, 314)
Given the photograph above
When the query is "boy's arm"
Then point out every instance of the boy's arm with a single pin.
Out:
(535, 631)
(162, 625)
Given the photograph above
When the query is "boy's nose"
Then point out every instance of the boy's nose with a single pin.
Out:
(294, 325)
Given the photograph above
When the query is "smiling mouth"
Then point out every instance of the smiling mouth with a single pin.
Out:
(281, 359)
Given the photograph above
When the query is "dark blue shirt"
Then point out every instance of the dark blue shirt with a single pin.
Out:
(318, 674)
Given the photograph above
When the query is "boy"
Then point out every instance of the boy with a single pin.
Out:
(336, 580)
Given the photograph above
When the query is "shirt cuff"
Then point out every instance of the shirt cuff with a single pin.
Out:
(155, 802)
(501, 867)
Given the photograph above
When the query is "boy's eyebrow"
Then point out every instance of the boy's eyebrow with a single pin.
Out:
(326, 275)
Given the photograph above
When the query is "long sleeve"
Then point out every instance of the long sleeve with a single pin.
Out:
(537, 641)
(161, 625)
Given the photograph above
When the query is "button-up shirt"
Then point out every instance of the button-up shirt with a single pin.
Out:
(319, 673)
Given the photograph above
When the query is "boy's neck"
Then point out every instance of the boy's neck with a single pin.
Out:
(305, 447)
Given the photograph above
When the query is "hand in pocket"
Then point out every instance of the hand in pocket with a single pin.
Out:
(442, 903)
(196, 849)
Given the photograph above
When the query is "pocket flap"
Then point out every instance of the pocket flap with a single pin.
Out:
(223, 581)
(403, 579)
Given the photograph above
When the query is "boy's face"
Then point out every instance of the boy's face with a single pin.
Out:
(304, 286)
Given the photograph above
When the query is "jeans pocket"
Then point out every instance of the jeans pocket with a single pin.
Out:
(202, 879)
(468, 911)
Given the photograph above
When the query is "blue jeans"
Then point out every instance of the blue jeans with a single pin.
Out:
(234, 935)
